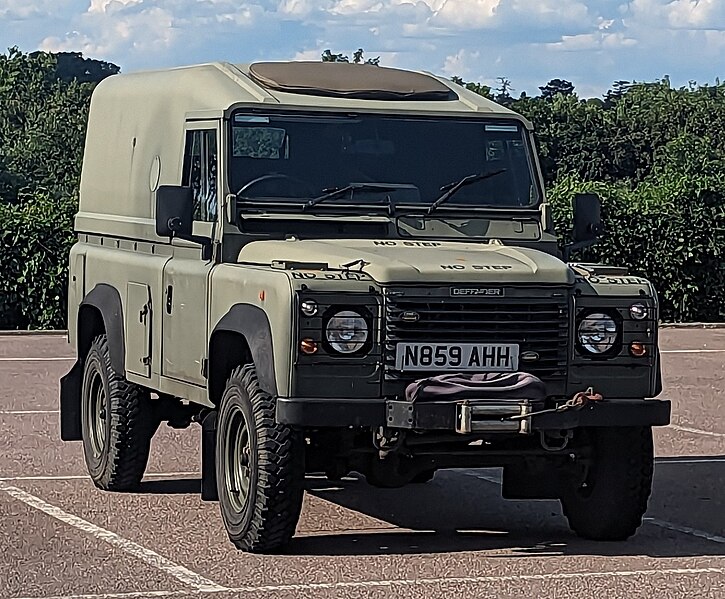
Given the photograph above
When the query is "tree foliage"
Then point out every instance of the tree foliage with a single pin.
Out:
(44, 102)
(654, 153)
(358, 57)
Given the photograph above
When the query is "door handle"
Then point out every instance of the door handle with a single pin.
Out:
(169, 298)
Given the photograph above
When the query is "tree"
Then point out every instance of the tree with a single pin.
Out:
(476, 88)
(619, 88)
(43, 111)
(503, 91)
(357, 58)
(557, 86)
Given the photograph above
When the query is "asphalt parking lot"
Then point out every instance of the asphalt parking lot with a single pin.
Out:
(455, 536)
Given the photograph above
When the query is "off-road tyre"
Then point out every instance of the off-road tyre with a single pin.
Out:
(117, 422)
(262, 520)
(611, 502)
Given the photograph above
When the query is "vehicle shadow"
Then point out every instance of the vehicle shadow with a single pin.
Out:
(460, 511)
(170, 486)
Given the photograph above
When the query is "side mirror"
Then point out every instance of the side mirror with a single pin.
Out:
(174, 211)
(175, 216)
(587, 217)
(587, 223)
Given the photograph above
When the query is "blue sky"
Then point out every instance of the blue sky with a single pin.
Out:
(589, 42)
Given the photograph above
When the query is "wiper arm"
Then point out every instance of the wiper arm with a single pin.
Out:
(336, 193)
(452, 188)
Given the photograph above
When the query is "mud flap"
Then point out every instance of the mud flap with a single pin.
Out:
(208, 457)
(522, 482)
(538, 480)
(70, 403)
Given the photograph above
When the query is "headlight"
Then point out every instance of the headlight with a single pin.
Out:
(597, 333)
(346, 332)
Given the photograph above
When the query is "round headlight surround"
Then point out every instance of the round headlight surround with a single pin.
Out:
(599, 334)
(347, 331)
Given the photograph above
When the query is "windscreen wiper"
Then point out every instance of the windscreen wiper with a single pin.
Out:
(352, 187)
(452, 188)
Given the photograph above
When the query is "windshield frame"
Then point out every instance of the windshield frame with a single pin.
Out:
(286, 205)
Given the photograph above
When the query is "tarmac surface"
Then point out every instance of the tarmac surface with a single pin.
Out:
(455, 536)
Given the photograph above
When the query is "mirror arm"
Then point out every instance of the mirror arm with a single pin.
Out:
(205, 242)
(579, 245)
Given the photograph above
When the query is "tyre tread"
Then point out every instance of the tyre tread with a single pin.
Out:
(131, 427)
(280, 464)
(615, 512)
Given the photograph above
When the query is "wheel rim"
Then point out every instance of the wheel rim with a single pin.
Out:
(96, 416)
(236, 465)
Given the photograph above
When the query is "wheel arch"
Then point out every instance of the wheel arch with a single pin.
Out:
(100, 312)
(242, 336)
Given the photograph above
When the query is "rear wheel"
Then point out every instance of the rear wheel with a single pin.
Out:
(609, 504)
(260, 467)
(117, 423)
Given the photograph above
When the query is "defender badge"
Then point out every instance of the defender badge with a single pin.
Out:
(410, 316)
(477, 291)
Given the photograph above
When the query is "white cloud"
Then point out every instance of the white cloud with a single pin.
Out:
(110, 5)
(467, 14)
(116, 30)
(589, 42)
(679, 14)
(592, 41)
(459, 63)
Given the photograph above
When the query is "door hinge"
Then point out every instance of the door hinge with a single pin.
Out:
(205, 367)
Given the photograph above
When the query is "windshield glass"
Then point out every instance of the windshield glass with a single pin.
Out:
(299, 157)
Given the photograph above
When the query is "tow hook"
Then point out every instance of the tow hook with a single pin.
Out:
(555, 440)
(577, 402)
(386, 441)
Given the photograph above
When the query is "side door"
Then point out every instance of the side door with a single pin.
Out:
(186, 274)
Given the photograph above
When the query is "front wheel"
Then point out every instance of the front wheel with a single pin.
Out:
(260, 467)
(609, 504)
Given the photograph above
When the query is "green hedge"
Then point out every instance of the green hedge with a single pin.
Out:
(671, 232)
(36, 234)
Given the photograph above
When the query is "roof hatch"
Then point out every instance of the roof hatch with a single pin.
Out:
(347, 80)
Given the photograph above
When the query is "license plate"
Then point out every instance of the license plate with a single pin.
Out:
(481, 357)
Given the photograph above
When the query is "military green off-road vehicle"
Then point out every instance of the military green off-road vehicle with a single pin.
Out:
(336, 268)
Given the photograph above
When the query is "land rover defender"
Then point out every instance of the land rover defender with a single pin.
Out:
(336, 268)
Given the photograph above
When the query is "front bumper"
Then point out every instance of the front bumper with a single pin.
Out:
(448, 415)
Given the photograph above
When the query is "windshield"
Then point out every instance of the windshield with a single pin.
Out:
(299, 157)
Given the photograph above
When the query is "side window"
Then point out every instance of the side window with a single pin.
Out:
(200, 164)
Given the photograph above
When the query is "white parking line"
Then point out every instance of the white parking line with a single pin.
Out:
(696, 431)
(665, 461)
(61, 477)
(415, 582)
(686, 530)
(37, 359)
(692, 351)
(182, 574)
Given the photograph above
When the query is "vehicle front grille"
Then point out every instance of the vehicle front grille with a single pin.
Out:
(537, 323)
